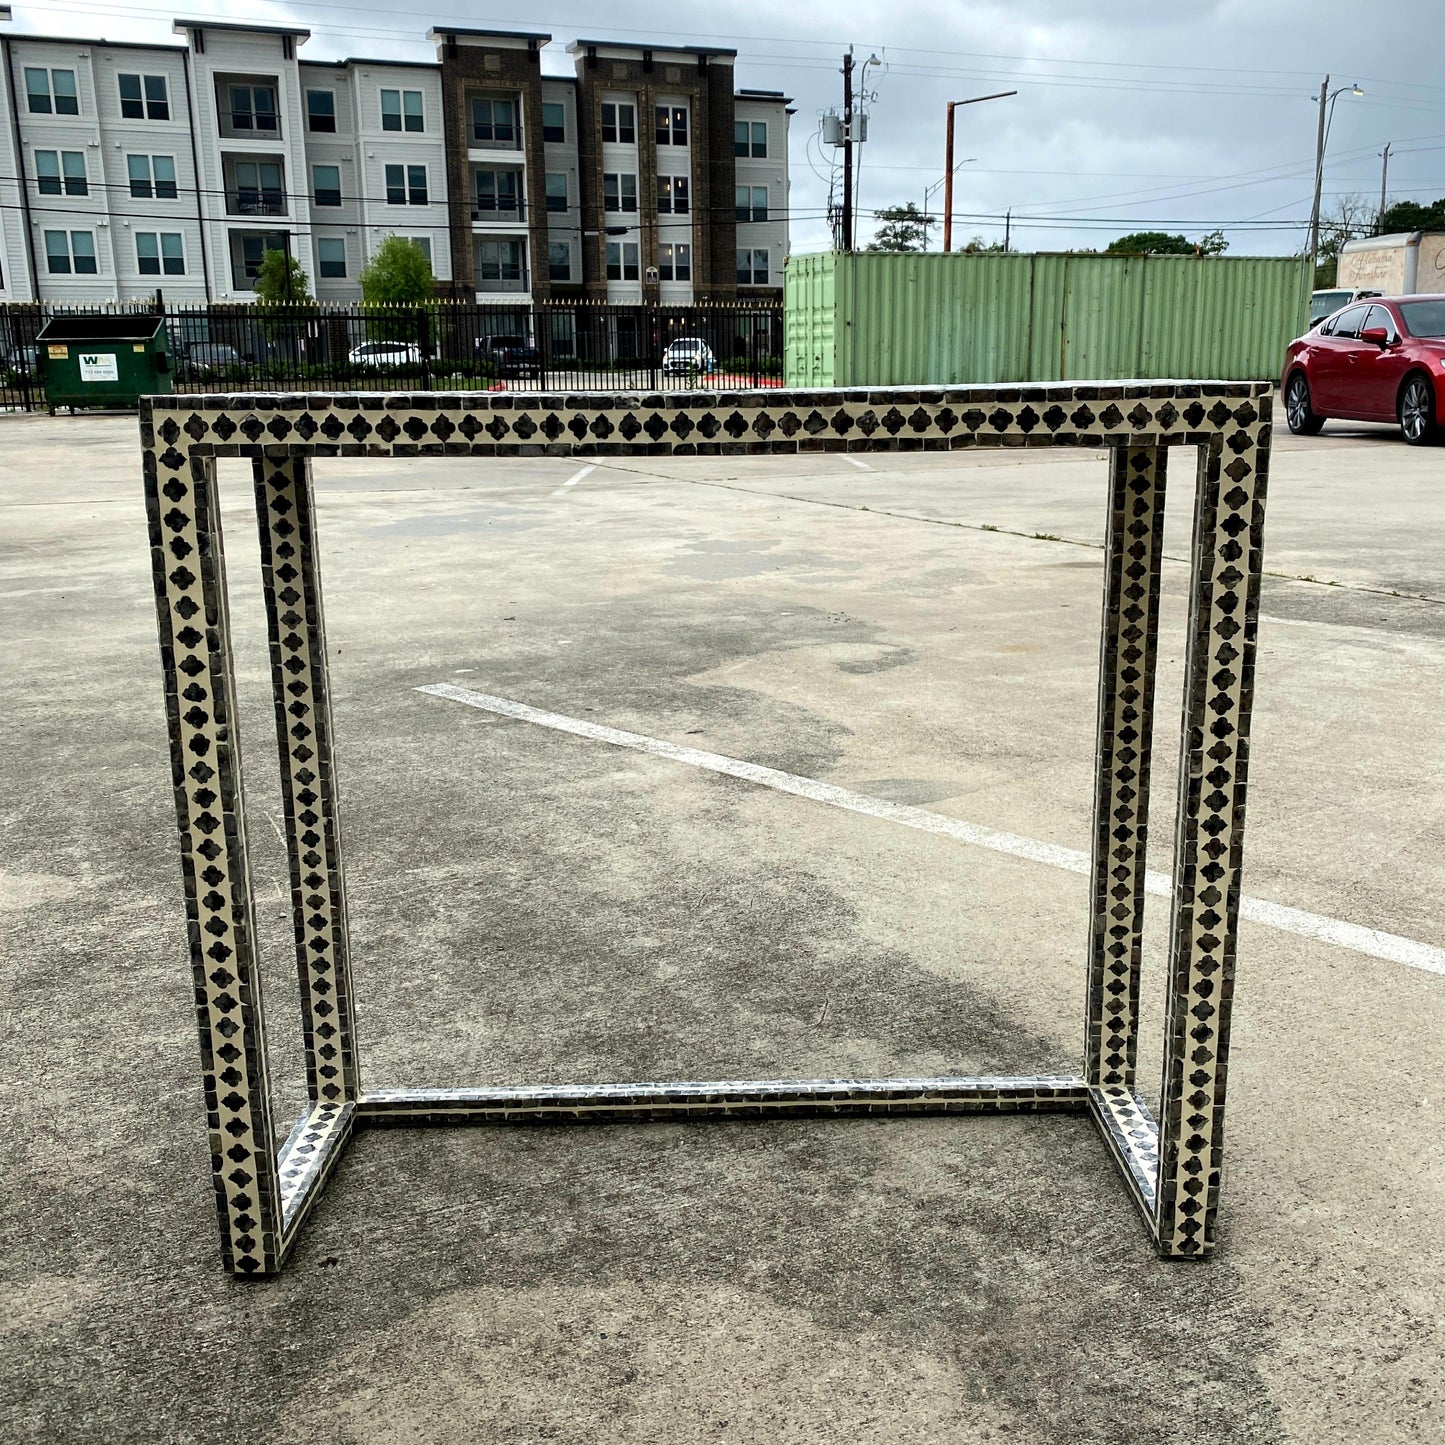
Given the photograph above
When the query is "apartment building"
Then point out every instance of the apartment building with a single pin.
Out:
(100, 196)
(639, 174)
(642, 175)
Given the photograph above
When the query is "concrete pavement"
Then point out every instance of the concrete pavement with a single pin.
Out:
(530, 905)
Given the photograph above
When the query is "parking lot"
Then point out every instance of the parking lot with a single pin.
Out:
(528, 904)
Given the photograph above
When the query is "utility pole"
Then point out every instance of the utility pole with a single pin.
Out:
(1319, 176)
(1384, 176)
(1008, 217)
(948, 183)
(848, 150)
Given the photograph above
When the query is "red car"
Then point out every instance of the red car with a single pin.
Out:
(1378, 360)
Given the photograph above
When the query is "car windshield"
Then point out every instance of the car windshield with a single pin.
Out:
(1424, 318)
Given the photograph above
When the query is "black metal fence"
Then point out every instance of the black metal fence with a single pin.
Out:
(445, 346)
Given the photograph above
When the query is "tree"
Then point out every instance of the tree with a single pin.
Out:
(1150, 243)
(977, 246)
(1352, 216)
(1160, 243)
(399, 274)
(282, 281)
(904, 228)
(1412, 216)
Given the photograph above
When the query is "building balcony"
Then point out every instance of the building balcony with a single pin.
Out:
(255, 185)
(255, 203)
(498, 211)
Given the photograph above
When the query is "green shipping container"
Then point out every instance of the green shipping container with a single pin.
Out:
(110, 359)
(871, 319)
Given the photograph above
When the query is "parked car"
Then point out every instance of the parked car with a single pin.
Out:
(688, 356)
(20, 359)
(206, 357)
(1326, 303)
(1381, 360)
(385, 353)
(512, 356)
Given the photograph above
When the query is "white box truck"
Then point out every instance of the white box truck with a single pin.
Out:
(1404, 264)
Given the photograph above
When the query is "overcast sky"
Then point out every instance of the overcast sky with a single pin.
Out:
(1130, 114)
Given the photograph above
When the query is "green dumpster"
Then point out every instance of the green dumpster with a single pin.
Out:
(106, 360)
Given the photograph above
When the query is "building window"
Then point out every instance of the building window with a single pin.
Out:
(750, 138)
(494, 122)
(144, 97)
(406, 184)
(51, 166)
(500, 261)
(559, 261)
(70, 252)
(331, 258)
(622, 261)
(751, 203)
(619, 124)
(619, 192)
(157, 254)
(672, 125)
(556, 191)
(554, 121)
(51, 92)
(326, 185)
(253, 252)
(497, 191)
(401, 110)
(753, 268)
(423, 244)
(672, 195)
(674, 262)
(253, 107)
(321, 111)
(258, 189)
(152, 176)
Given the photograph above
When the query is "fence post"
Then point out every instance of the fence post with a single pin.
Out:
(654, 340)
(424, 345)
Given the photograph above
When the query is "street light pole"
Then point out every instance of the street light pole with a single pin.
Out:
(1328, 98)
(1319, 176)
(948, 167)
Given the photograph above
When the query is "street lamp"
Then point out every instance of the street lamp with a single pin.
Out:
(1328, 98)
(863, 99)
(948, 166)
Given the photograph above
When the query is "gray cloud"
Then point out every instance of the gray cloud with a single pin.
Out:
(1131, 114)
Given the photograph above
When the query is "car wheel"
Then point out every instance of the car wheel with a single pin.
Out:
(1417, 411)
(1303, 421)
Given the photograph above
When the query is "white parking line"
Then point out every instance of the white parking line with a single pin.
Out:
(862, 466)
(1354, 936)
(572, 481)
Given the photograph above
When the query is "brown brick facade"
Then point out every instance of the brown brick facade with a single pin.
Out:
(468, 68)
(707, 83)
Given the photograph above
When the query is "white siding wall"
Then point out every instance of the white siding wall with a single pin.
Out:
(377, 148)
(337, 149)
(621, 159)
(675, 230)
(123, 137)
(562, 159)
(229, 52)
(771, 172)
